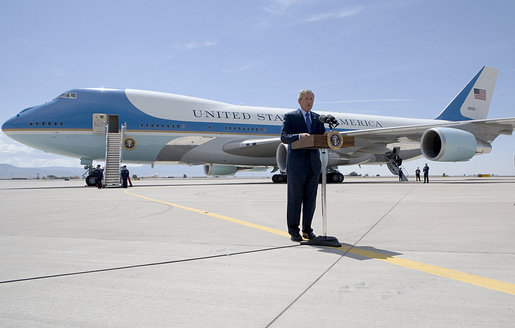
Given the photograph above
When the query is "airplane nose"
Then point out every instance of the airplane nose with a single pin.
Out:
(5, 126)
(9, 125)
(15, 122)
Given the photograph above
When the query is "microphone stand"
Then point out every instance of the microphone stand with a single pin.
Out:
(324, 240)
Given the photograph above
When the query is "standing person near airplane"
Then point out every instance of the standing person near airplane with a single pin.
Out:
(417, 174)
(99, 173)
(426, 173)
(124, 173)
(302, 166)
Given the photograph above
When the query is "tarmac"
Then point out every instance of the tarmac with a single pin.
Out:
(215, 253)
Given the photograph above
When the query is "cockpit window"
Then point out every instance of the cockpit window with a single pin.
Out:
(69, 95)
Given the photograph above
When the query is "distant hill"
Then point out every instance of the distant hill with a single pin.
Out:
(8, 171)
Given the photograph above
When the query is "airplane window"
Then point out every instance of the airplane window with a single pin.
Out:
(43, 123)
(30, 123)
(146, 125)
(37, 123)
(69, 95)
(141, 125)
(168, 126)
(49, 123)
(61, 123)
(55, 123)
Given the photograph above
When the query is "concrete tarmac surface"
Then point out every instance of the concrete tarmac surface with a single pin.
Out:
(215, 253)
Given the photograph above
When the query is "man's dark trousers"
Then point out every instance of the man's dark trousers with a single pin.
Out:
(302, 192)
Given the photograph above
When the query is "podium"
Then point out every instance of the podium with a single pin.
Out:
(332, 140)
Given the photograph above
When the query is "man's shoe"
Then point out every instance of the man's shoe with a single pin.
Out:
(296, 237)
(308, 235)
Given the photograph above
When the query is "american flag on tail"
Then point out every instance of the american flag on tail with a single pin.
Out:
(480, 94)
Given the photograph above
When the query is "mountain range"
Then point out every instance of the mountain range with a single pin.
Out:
(8, 171)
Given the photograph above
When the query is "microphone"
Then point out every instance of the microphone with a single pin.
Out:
(329, 119)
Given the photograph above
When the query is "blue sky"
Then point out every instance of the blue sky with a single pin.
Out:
(395, 58)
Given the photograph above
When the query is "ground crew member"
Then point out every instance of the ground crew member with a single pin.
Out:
(426, 173)
(99, 173)
(125, 175)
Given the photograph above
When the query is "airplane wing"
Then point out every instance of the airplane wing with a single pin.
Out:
(371, 144)
(486, 130)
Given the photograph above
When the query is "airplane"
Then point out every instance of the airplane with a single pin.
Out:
(165, 128)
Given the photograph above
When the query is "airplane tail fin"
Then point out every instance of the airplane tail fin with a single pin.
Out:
(473, 102)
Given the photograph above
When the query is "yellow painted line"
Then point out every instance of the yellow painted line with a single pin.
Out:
(498, 285)
(501, 286)
(217, 216)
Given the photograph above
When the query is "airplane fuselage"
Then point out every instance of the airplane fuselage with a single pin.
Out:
(162, 127)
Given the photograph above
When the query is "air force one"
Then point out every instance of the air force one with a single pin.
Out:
(156, 127)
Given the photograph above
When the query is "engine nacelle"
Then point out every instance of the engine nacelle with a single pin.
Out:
(450, 145)
(280, 157)
(220, 170)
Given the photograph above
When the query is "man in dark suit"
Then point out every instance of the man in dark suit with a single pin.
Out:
(124, 173)
(302, 166)
(426, 173)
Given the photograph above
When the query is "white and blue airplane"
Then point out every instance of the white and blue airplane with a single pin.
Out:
(225, 138)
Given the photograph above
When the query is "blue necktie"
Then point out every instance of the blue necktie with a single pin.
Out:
(308, 122)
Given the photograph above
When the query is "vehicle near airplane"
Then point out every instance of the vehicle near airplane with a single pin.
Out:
(156, 127)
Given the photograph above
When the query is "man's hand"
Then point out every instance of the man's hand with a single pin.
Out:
(302, 135)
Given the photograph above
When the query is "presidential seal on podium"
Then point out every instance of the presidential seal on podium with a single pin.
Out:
(334, 140)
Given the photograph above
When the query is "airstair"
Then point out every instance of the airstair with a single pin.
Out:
(403, 172)
(394, 164)
(113, 157)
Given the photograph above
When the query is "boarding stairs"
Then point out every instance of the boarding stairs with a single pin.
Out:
(113, 158)
(394, 167)
(403, 170)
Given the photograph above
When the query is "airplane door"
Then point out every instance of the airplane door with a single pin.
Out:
(113, 123)
(99, 123)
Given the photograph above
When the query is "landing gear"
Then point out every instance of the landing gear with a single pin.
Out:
(332, 177)
(91, 180)
(279, 178)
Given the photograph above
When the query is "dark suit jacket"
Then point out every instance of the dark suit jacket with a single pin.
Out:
(301, 161)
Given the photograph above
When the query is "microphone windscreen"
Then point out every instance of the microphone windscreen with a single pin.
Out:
(323, 118)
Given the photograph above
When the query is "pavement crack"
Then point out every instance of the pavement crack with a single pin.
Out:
(59, 275)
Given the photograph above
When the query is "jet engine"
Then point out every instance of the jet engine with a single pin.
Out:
(220, 170)
(280, 157)
(213, 169)
(451, 145)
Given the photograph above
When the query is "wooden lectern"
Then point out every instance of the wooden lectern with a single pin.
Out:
(321, 141)
(332, 140)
